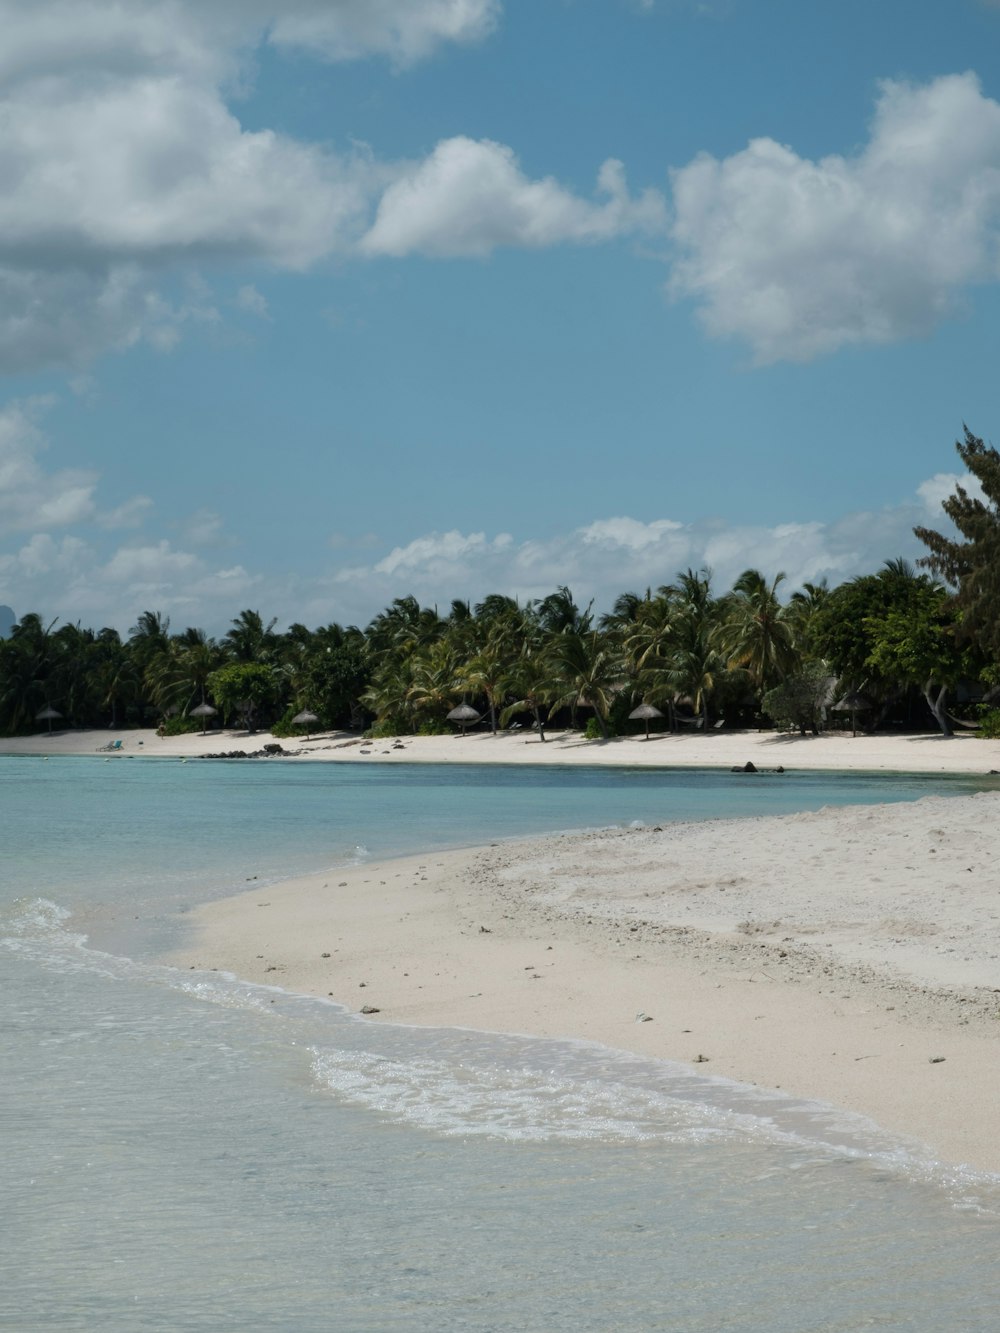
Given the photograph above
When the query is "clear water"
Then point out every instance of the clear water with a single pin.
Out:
(185, 1151)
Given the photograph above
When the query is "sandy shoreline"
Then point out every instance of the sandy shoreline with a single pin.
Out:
(925, 753)
(848, 956)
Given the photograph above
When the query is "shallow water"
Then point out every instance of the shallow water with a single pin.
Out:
(187, 1151)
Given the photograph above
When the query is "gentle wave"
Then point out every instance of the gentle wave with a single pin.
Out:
(459, 1082)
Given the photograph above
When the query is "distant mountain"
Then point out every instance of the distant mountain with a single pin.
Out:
(7, 618)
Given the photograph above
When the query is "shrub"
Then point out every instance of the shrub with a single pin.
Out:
(182, 726)
(389, 726)
(434, 726)
(989, 724)
(592, 731)
(286, 728)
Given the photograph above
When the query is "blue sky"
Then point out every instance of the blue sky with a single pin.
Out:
(306, 307)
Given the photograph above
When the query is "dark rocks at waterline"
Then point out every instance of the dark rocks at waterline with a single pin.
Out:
(748, 767)
(268, 752)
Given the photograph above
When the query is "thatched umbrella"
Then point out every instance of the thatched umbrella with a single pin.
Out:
(47, 714)
(644, 712)
(854, 704)
(463, 715)
(304, 719)
(204, 711)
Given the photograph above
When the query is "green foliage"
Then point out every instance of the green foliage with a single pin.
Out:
(989, 725)
(755, 632)
(972, 565)
(180, 726)
(797, 703)
(284, 728)
(619, 723)
(244, 690)
(387, 728)
(434, 726)
(861, 630)
(592, 731)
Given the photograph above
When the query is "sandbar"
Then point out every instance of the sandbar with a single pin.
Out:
(850, 956)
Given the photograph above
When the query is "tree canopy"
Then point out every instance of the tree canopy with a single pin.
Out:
(897, 635)
(971, 566)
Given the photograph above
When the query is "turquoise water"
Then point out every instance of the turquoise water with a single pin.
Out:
(186, 1151)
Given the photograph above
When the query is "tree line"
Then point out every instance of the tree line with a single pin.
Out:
(880, 642)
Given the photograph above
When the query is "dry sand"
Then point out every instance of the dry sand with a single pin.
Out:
(851, 955)
(963, 753)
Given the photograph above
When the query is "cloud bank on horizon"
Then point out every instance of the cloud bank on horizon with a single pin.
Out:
(131, 180)
(67, 574)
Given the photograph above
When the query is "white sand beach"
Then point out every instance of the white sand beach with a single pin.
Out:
(922, 753)
(851, 955)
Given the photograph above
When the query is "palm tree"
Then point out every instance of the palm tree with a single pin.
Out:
(434, 684)
(486, 674)
(116, 674)
(559, 612)
(529, 679)
(755, 633)
(194, 657)
(388, 694)
(148, 642)
(589, 670)
(250, 640)
(802, 615)
(695, 667)
(647, 640)
(25, 664)
(403, 627)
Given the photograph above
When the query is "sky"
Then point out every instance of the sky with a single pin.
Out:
(308, 306)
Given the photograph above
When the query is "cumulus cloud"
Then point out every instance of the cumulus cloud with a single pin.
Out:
(209, 39)
(471, 196)
(124, 164)
(942, 485)
(801, 257)
(612, 555)
(121, 163)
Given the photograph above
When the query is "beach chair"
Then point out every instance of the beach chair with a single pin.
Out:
(111, 745)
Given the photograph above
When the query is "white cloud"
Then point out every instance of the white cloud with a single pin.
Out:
(942, 485)
(471, 196)
(629, 533)
(74, 577)
(800, 257)
(610, 556)
(401, 29)
(210, 39)
(30, 497)
(440, 551)
(148, 567)
(124, 164)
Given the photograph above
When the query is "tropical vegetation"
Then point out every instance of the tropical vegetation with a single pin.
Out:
(918, 647)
